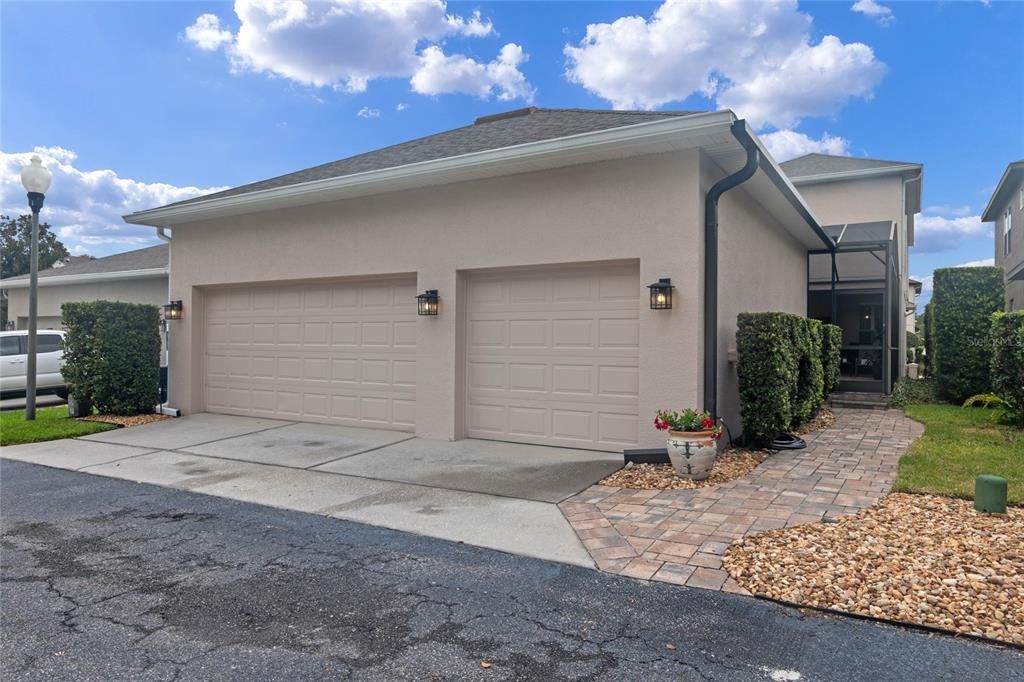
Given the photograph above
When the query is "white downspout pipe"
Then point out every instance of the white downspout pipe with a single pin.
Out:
(164, 408)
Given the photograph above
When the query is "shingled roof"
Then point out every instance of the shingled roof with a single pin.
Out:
(508, 129)
(822, 164)
(151, 258)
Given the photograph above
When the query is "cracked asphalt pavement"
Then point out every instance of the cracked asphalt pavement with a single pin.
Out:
(105, 579)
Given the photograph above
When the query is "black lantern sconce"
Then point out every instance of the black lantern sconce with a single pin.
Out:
(172, 310)
(426, 303)
(661, 294)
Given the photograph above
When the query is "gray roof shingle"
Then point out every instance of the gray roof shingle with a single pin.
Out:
(487, 133)
(141, 259)
(817, 164)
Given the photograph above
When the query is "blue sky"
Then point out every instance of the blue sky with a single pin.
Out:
(132, 108)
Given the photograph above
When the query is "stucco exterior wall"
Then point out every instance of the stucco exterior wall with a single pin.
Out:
(643, 208)
(1012, 260)
(151, 290)
(761, 268)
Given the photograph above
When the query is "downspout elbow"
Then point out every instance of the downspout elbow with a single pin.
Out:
(753, 161)
(161, 232)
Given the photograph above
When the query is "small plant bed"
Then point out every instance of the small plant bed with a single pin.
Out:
(118, 420)
(958, 444)
(822, 419)
(51, 423)
(920, 559)
(729, 465)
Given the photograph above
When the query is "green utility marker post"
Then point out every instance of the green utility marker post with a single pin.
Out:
(990, 494)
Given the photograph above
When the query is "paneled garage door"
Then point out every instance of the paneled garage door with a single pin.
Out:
(553, 356)
(342, 353)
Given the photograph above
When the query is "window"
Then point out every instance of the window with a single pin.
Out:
(9, 345)
(1007, 226)
(48, 343)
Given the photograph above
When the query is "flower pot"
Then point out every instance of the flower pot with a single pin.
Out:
(79, 408)
(692, 453)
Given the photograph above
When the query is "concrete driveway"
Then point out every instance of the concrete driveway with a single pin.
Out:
(496, 495)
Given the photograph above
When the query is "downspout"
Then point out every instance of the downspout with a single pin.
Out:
(164, 408)
(739, 131)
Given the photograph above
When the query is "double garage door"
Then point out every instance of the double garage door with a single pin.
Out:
(551, 355)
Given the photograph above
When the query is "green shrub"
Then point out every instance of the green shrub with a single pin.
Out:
(913, 392)
(831, 344)
(780, 371)
(1008, 363)
(112, 355)
(929, 337)
(963, 303)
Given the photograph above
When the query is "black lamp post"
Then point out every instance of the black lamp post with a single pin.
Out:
(36, 180)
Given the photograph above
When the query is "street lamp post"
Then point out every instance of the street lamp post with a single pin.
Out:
(36, 180)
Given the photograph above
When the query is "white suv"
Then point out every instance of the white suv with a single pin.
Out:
(14, 363)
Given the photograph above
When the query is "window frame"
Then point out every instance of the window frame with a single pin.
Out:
(1007, 231)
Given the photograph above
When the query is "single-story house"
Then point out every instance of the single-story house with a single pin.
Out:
(1006, 209)
(133, 277)
(532, 239)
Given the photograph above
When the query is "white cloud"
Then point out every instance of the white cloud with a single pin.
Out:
(439, 73)
(85, 206)
(754, 57)
(789, 144)
(880, 13)
(367, 112)
(345, 44)
(945, 209)
(984, 262)
(206, 33)
(401, 106)
(939, 233)
(928, 282)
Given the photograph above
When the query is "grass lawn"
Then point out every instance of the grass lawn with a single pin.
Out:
(51, 423)
(959, 443)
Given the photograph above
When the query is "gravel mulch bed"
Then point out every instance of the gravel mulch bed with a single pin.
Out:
(136, 420)
(919, 559)
(729, 465)
(822, 419)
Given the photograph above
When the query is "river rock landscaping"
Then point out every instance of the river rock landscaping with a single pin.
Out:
(921, 559)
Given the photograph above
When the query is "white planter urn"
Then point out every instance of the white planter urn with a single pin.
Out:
(692, 453)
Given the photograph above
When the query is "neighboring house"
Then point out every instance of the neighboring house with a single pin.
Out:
(135, 277)
(1006, 210)
(71, 260)
(868, 207)
(541, 230)
(912, 294)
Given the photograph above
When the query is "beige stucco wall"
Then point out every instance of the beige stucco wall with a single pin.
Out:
(865, 200)
(762, 268)
(1015, 289)
(152, 290)
(644, 208)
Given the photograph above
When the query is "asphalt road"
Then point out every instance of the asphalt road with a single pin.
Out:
(109, 580)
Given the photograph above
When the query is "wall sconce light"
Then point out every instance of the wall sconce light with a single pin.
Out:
(172, 310)
(661, 294)
(426, 303)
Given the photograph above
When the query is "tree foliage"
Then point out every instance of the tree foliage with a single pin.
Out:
(15, 246)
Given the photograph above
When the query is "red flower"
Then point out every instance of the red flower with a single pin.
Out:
(660, 425)
(708, 424)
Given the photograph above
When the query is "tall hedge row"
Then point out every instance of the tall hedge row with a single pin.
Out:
(929, 338)
(781, 372)
(831, 344)
(112, 355)
(1008, 362)
(963, 303)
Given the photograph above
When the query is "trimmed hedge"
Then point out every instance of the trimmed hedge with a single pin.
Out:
(112, 355)
(963, 303)
(929, 338)
(1008, 363)
(831, 343)
(781, 372)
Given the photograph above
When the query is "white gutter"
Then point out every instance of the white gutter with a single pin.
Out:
(87, 278)
(857, 174)
(647, 133)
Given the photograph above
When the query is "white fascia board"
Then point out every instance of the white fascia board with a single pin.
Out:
(989, 215)
(639, 136)
(87, 278)
(857, 174)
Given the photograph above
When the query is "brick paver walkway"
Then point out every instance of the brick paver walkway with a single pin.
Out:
(679, 536)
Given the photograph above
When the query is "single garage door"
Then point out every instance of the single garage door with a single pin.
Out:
(553, 356)
(341, 353)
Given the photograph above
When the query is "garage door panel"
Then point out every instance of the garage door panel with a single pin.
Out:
(553, 356)
(341, 353)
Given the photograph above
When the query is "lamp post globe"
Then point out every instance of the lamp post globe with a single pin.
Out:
(36, 180)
